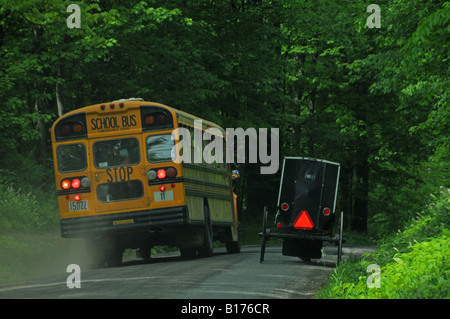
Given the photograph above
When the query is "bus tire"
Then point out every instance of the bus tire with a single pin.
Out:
(233, 247)
(114, 258)
(95, 253)
(144, 253)
(206, 250)
(188, 252)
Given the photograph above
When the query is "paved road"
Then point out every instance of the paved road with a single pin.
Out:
(167, 276)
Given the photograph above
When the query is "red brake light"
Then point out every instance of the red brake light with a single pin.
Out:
(161, 173)
(162, 188)
(65, 184)
(303, 221)
(76, 183)
(326, 211)
(77, 197)
(171, 172)
(285, 206)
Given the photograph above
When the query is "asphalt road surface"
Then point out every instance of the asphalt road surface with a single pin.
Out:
(168, 276)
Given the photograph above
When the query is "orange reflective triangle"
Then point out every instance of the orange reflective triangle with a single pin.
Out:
(303, 221)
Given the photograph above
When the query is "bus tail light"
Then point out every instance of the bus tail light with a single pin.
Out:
(77, 198)
(76, 183)
(171, 172)
(85, 182)
(151, 174)
(82, 183)
(161, 173)
(65, 184)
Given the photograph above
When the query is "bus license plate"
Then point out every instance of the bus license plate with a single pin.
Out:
(77, 206)
(162, 196)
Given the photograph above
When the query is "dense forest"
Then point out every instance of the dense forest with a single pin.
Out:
(365, 88)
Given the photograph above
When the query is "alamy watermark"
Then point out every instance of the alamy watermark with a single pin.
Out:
(74, 279)
(374, 20)
(74, 20)
(221, 148)
(374, 279)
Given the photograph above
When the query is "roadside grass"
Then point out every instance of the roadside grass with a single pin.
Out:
(25, 256)
(414, 263)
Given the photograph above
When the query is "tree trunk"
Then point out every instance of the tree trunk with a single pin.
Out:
(59, 92)
(361, 208)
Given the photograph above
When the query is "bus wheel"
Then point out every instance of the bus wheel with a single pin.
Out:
(114, 257)
(144, 253)
(188, 253)
(206, 250)
(95, 253)
(233, 246)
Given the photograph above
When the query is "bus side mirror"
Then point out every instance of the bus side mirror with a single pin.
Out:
(235, 175)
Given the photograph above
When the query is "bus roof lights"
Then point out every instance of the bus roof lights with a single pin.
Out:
(162, 118)
(149, 119)
(77, 128)
(65, 129)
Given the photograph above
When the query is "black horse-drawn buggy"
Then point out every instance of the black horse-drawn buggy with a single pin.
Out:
(305, 209)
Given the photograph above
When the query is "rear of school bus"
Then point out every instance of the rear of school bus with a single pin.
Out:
(117, 185)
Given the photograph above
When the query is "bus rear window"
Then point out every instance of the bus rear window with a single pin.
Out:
(112, 192)
(123, 151)
(159, 148)
(71, 157)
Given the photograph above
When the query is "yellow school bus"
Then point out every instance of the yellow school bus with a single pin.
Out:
(121, 184)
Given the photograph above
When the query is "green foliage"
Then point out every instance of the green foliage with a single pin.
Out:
(374, 100)
(26, 211)
(414, 263)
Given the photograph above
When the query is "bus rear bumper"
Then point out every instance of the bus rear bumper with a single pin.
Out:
(124, 222)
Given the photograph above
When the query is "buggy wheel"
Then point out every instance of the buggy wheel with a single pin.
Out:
(341, 228)
(264, 235)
